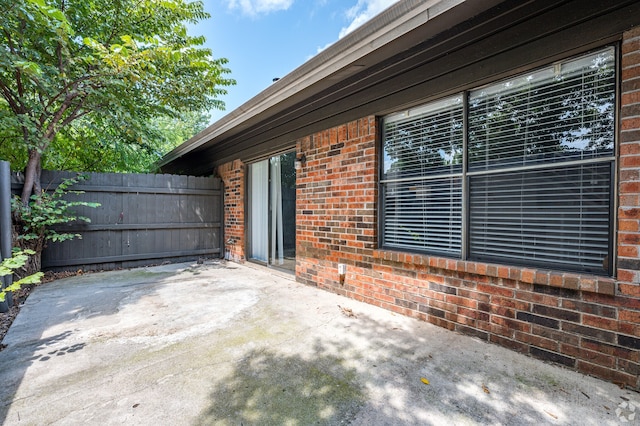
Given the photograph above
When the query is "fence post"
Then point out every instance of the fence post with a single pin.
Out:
(5, 227)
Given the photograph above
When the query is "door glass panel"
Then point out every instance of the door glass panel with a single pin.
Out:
(283, 211)
(272, 211)
(259, 210)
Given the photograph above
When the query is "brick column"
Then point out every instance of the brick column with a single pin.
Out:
(232, 174)
(629, 185)
(336, 205)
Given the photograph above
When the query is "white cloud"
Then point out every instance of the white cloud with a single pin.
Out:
(357, 15)
(257, 7)
(362, 12)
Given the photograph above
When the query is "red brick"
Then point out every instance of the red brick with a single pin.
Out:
(481, 268)
(499, 330)
(630, 98)
(629, 225)
(557, 335)
(510, 303)
(600, 322)
(628, 238)
(631, 72)
(630, 123)
(493, 289)
(628, 251)
(630, 160)
(528, 275)
(503, 272)
(629, 316)
(461, 301)
(511, 324)
(629, 367)
(632, 290)
(571, 282)
(599, 358)
(538, 341)
(543, 299)
(631, 58)
(627, 275)
(541, 278)
(616, 351)
(630, 187)
(630, 148)
(441, 322)
(609, 374)
(555, 279)
(588, 284)
(509, 343)
(630, 329)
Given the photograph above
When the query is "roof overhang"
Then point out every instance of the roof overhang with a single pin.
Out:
(398, 28)
(412, 52)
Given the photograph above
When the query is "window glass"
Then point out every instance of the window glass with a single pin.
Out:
(424, 215)
(559, 113)
(538, 170)
(422, 168)
(424, 141)
(551, 217)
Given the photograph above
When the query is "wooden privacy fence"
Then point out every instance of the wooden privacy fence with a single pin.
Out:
(142, 220)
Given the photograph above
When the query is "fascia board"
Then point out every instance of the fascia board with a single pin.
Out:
(393, 23)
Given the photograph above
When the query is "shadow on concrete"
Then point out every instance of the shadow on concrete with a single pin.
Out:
(268, 388)
(469, 380)
(71, 299)
(371, 374)
(293, 356)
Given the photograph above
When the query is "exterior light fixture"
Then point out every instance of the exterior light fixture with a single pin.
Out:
(301, 160)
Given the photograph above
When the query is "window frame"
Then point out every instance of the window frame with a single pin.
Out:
(609, 265)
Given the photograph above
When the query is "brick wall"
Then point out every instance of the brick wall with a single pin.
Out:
(587, 323)
(232, 174)
(336, 201)
(629, 177)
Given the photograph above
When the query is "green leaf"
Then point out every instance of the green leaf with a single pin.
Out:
(31, 279)
(159, 72)
(28, 67)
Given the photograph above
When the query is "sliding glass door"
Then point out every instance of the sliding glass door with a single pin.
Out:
(272, 211)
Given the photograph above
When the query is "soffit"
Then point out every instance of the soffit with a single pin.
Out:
(443, 54)
(401, 27)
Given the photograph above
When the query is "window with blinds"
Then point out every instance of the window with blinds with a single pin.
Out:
(537, 154)
(422, 178)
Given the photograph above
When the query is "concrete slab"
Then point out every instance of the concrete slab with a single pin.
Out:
(234, 344)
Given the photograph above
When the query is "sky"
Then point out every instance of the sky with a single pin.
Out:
(267, 39)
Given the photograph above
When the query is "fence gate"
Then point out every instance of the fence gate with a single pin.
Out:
(142, 220)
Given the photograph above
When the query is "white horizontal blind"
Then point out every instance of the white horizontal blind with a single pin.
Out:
(553, 129)
(539, 166)
(422, 182)
(424, 215)
(556, 217)
(563, 112)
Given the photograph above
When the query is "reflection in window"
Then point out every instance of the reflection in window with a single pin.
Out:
(538, 170)
(559, 113)
(422, 164)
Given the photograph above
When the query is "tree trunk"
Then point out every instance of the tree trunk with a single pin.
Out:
(34, 263)
(32, 176)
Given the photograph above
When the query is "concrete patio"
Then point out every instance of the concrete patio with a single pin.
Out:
(237, 344)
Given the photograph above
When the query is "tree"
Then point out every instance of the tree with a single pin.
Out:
(113, 64)
(96, 146)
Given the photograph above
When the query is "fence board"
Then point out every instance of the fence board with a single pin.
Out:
(142, 220)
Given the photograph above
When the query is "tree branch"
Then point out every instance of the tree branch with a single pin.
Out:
(76, 114)
(72, 86)
(12, 99)
(50, 131)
